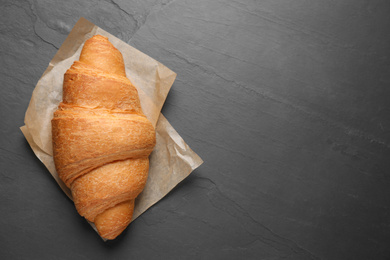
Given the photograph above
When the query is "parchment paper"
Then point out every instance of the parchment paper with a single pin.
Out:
(171, 161)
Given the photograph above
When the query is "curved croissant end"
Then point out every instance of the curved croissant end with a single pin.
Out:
(101, 138)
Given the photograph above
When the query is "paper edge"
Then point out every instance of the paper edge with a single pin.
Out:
(88, 27)
(198, 161)
(37, 150)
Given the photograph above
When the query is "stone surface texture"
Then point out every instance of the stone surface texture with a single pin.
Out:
(287, 102)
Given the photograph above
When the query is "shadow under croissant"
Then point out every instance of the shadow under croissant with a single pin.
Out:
(118, 241)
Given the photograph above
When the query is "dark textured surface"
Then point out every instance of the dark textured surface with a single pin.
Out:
(287, 102)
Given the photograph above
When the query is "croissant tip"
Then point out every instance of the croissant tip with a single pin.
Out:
(99, 37)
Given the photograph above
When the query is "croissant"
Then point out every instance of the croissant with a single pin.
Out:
(101, 138)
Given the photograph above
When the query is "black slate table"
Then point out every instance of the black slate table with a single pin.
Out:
(287, 102)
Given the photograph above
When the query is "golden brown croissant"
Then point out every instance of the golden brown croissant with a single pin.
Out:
(101, 138)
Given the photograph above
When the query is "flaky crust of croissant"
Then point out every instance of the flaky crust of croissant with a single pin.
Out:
(101, 138)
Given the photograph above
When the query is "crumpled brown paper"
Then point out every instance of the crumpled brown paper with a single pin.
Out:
(172, 159)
